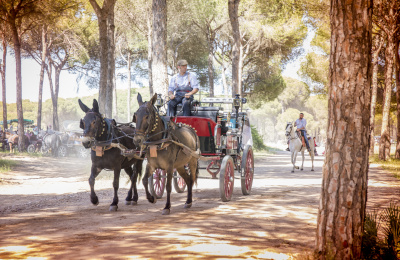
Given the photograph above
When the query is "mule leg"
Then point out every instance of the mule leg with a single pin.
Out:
(189, 183)
(114, 204)
(302, 162)
(94, 173)
(145, 181)
(133, 177)
(167, 208)
(193, 177)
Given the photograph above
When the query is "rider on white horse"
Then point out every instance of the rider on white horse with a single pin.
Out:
(301, 124)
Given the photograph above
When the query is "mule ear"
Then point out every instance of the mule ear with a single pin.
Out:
(95, 106)
(134, 118)
(83, 106)
(172, 124)
(81, 125)
(139, 99)
(153, 100)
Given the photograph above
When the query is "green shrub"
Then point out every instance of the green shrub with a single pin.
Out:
(258, 143)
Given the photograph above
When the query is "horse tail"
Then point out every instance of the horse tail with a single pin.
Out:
(197, 172)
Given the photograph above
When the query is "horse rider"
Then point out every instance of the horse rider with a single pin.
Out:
(185, 85)
(301, 124)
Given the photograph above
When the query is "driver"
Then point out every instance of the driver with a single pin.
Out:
(185, 85)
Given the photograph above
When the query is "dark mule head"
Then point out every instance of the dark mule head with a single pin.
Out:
(92, 122)
(145, 119)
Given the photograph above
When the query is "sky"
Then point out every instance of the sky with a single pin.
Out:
(69, 85)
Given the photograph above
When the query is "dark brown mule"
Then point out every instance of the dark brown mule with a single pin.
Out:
(99, 133)
(150, 128)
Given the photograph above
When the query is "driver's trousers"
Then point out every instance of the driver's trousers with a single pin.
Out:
(173, 103)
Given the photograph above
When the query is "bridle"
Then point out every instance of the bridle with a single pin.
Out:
(154, 119)
(288, 133)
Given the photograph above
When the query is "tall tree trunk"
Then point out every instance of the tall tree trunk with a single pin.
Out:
(42, 70)
(233, 6)
(384, 146)
(18, 75)
(344, 187)
(49, 70)
(128, 100)
(224, 83)
(374, 91)
(397, 66)
(210, 41)
(57, 73)
(111, 84)
(105, 85)
(150, 51)
(3, 83)
(159, 46)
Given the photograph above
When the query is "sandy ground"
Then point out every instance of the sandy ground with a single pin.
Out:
(45, 213)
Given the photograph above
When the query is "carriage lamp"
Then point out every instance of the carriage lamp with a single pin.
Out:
(236, 102)
(159, 101)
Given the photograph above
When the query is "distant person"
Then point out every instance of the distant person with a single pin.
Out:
(315, 146)
(181, 89)
(301, 124)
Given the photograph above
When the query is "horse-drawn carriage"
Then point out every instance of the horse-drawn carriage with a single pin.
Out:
(171, 146)
(225, 145)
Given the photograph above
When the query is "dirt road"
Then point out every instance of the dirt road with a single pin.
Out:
(45, 213)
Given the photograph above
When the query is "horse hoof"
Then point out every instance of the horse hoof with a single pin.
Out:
(153, 200)
(187, 206)
(95, 203)
(292, 171)
(133, 202)
(312, 170)
(113, 208)
(166, 211)
(128, 202)
(301, 169)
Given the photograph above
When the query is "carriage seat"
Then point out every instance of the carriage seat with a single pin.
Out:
(207, 112)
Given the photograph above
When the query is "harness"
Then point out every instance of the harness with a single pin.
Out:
(100, 146)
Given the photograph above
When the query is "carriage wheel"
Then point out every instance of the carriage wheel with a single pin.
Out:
(226, 178)
(82, 152)
(157, 183)
(44, 150)
(179, 183)
(62, 151)
(31, 148)
(247, 170)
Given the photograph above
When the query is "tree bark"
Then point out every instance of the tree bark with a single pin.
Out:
(128, 100)
(233, 6)
(397, 66)
(159, 46)
(384, 145)
(150, 52)
(42, 70)
(105, 85)
(3, 82)
(111, 100)
(344, 187)
(18, 75)
(378, 45)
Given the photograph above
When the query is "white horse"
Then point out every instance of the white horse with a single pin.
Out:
(296, 145)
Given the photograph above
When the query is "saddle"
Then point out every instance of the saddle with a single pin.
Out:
(302, 138)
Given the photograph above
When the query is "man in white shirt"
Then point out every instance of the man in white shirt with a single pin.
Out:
(301, 124)
(185, 85)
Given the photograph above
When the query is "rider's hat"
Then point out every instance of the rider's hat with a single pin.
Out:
(182, 63)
